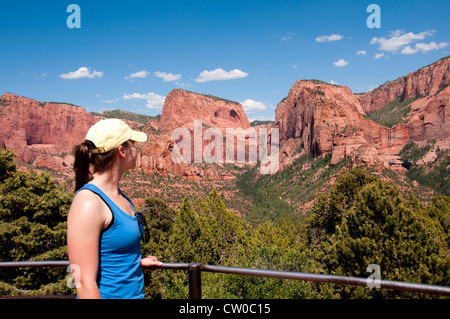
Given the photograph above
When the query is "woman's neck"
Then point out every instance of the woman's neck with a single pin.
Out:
(108, 181)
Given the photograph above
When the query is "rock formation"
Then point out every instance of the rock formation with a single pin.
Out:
(315, 118)
(316, 113)
(197, 113)
(326, 118)
(318, 118)
(429, 117)
(182, 107)
(44, 133)
(33, 128)
(424, 82)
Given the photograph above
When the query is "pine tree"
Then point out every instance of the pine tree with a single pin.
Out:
(33, 212)
(182, 244)
(372, 223)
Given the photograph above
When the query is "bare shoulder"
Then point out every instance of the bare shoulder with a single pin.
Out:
(86, 200)
(88, 206)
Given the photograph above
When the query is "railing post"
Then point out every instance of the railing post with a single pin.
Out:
(195, 281)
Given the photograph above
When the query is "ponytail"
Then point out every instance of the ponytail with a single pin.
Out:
(81, 163)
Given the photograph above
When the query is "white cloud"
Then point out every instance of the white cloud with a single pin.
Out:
(378, 56)
(333, 82)
(294, 66)
(399, 39)
(288, 36)
(220, 74)
(424, 47)
(82, 72)
(139, 74)
(340, 63)
(361, 52)
(111, 101)
(136, 96)
(252, 106)
(262, 118)
(329, 38)
(168, 77)
(154, 101)
(34, 75)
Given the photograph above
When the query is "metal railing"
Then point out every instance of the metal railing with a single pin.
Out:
(195, 269)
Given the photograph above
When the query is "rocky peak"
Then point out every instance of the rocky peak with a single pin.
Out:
(318, 118)
(182, 107)
(316, 112)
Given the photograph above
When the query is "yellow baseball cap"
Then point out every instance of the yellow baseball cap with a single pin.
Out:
(111, 133)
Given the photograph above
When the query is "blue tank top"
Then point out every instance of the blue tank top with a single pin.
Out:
(119, 273)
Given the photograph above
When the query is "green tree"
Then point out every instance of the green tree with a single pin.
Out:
(371, 223)
(33, 212)
(7, 165)
(439, 209)
(276, 245)
(329, 208)
(160, 218)
(224, 235)
(186, 231)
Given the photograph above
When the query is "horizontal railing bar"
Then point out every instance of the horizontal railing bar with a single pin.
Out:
(65, 263)
(17, 264)
(287, 275)
(175, 266)
(335, 279)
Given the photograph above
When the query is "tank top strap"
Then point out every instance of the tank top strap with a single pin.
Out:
(115, 209)
(105, 199)
(100, 193)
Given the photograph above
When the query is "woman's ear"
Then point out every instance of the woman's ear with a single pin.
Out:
(122, 151)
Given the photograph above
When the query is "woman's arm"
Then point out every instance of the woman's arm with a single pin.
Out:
(85, 222)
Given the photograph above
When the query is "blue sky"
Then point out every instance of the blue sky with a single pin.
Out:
(131, 54)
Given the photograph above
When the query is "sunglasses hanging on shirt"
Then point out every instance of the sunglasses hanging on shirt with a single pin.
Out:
(143, 228)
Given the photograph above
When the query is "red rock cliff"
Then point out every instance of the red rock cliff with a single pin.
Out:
(32, 128)
(325, 118)
(40, 132)
(182, 107)
(43, 133)
(320, 115)
(425, 81)
(429, 117)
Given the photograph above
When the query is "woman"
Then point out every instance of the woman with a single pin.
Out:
(103, 231)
